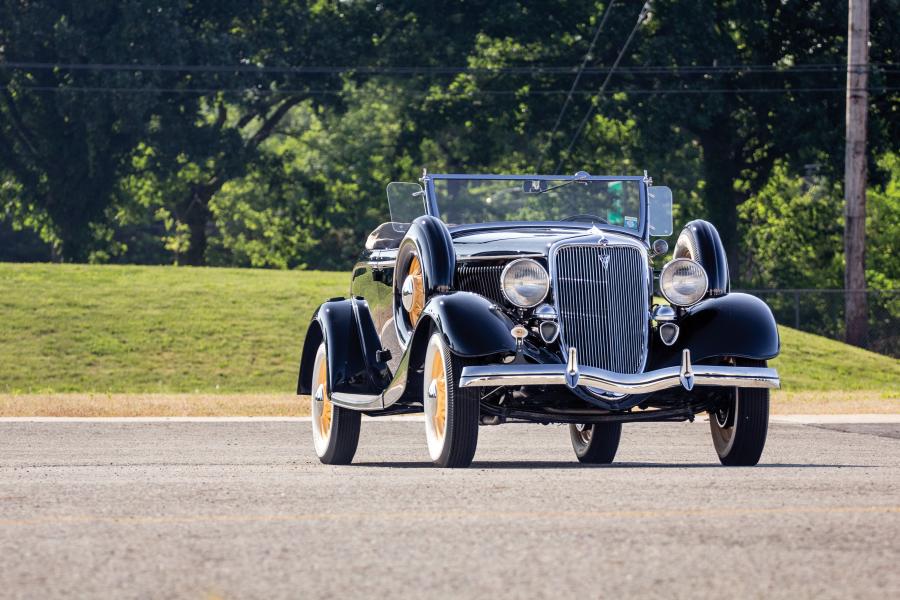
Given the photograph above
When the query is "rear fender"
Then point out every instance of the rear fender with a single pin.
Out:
(736, 325)
(351, 344)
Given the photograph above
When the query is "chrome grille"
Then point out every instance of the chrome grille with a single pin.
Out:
(603, 309)
(481, 279)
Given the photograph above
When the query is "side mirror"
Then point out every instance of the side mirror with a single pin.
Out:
(660, 211)
(406, 202)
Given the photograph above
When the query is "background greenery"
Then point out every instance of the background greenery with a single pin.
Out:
(287, 169)
(165, 329)
(262, 134)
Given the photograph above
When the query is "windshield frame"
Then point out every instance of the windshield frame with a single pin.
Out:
(643, 232)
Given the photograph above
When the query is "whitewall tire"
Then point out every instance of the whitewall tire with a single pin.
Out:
(739, 426)
(451, 412)
(335, 429)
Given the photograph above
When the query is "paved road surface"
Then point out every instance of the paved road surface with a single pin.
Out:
(203, 510)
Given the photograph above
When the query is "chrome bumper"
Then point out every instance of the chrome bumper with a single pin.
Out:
(572, 375)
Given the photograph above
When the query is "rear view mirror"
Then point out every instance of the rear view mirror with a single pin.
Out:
(660, 211)
(534, 186)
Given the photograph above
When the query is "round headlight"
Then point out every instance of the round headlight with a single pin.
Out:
(524, 282)
(683, 282)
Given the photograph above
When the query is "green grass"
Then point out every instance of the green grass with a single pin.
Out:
(68, 328)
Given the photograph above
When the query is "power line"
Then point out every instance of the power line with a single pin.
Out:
(321, 92)
(641, 17)
(587, 57)
(442, 70)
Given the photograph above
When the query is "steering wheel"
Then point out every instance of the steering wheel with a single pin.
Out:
(586, 217)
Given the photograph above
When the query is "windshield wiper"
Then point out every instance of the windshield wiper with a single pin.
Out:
(579, 176)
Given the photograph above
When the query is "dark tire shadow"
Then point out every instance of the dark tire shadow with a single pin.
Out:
(545, 464)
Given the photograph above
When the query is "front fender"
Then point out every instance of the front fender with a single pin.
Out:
(472, 324)
(351, 343)
(736, 325)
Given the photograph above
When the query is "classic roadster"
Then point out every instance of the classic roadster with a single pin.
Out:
(490, 299)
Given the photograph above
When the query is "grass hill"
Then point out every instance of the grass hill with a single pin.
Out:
(129, 329)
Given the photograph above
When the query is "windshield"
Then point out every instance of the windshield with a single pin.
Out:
(466, 201)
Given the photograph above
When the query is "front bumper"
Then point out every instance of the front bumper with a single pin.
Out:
(572, 375)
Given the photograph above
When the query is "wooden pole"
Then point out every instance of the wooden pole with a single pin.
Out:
(856, 313)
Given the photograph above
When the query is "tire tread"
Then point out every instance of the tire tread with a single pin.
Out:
(753, 417)
(344, 436)
(463, 427)
(602, 448)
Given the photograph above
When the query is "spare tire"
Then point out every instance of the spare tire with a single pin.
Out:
(425, 265)
(700, 242)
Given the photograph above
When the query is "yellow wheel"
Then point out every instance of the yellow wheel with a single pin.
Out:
(451, 412)
(413, 290)
(335, 429)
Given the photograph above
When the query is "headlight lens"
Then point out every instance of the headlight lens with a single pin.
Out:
(683, 282)
(525, 282)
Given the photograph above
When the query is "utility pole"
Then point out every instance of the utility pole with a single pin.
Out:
(856, 317)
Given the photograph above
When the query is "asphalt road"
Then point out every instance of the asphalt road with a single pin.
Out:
(229, 510)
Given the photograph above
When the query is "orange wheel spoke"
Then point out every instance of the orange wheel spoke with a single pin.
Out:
(418, 300)
(324, 423)
(438, 374)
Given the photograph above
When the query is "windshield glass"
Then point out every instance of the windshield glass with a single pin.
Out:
(467, 201)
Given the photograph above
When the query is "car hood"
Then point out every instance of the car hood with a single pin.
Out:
(527, 241)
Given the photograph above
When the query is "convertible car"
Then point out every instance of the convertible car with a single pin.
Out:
(489, 299)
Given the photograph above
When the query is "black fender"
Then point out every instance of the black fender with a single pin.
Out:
(471, 324)
(472, 327)
(351, 343)
(736, 325)
(700, 241)
(429, 239)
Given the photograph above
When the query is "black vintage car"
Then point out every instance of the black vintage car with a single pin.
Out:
(496, 298)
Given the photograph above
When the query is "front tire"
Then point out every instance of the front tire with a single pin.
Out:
(335, 429)
(596, 444)
(451, 412)
(740, 424)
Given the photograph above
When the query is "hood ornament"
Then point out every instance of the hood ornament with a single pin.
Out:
(602, 241)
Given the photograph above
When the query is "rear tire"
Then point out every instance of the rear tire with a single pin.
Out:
(740, 425)
(335, 429)
(596, 444)
(451, 412)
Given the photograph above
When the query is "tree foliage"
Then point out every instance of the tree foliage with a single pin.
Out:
(279, 168)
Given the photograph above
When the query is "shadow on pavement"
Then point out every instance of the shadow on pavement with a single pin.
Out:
(544, 464)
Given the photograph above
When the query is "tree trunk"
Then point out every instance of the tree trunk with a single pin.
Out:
(197, 217)
(856, 315)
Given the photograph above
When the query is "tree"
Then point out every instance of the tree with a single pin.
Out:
(203, 142)
(61, 144)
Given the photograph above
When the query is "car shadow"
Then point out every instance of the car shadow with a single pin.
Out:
(546, 464)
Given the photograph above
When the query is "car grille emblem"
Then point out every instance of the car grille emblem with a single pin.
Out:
(604, 260)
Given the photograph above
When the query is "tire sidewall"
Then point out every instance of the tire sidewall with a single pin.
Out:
(438, 447)
(724, 437)
(321, 443)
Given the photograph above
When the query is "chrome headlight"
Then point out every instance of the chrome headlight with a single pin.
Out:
(524, 282)
(683, 282)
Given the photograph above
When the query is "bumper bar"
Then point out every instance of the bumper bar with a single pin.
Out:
(572, 375)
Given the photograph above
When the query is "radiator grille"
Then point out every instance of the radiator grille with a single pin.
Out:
(603, 310)
(481, 279)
